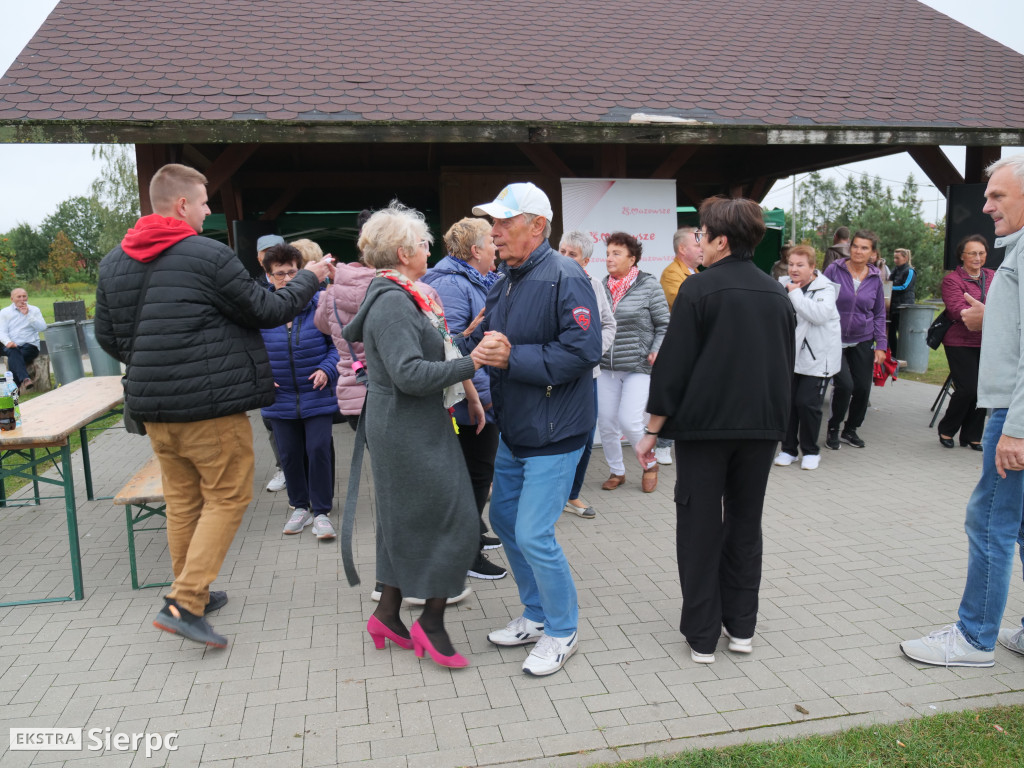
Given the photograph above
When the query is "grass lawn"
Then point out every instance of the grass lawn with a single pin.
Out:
(44, 298)
(938, 369)
(990, 738)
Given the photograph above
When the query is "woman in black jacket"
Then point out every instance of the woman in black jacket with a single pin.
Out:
(904, 281)
(721, 389)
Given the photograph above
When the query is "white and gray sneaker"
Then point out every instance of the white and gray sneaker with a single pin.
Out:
(784, 459)
(549, 655)
(947, 647)
(277, 482)
(1012, 639)
(739, 644)
(322, 527)
(300, 519)
(519, 631)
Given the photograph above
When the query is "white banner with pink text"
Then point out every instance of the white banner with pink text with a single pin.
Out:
(644, 208)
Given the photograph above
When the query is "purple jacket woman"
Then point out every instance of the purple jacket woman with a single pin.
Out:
(861, 312)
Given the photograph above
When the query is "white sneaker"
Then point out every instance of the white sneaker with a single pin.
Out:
(784, 459)
(322, 527)
(663, 455)
(450, 601)
(739, 644)
(702, 658)
(300, 519)
(277, 482)
(810, 462)
(947, 647)
(1012, 639)
(519, 631)
(549, 655)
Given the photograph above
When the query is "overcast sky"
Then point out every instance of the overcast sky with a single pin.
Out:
(35, 178)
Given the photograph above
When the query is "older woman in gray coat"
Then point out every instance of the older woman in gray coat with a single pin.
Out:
(641, 320)
(427, 526)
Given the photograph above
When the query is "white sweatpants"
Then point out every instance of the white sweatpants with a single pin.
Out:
(621, 400)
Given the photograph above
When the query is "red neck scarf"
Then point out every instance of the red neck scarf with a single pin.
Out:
(618, 287)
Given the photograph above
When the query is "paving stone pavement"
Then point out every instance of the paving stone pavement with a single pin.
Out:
(863, 552)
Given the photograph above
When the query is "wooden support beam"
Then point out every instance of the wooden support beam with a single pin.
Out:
(936, 166)
(676, 159)
(978, 159)
(226, 164)
(759, 187)
(231, 204)
(691, 195)
(613, 161)
(735, 190)
(195, 157)
(280, 205)
(145, 167)
(546, 160)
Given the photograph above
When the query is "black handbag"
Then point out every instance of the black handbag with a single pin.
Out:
(937, 330)
(132, 424)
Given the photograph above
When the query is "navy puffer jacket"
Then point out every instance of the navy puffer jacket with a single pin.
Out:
(295, 354)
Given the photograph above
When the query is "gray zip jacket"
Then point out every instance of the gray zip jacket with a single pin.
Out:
(1001, 374)
(641, 320)
(819, 343)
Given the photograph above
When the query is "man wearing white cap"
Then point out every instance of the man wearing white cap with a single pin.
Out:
(541, 338)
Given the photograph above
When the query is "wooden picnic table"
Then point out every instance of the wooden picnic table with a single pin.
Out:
(48, 421)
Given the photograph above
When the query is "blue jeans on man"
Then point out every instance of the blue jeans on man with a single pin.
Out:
(18, 359)
(526, 501)
(994, 525)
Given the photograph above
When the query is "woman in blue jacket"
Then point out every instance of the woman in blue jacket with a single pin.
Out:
(304, 363)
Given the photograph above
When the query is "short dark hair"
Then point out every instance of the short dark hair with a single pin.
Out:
(867, 234)
(631, 243)
(843, 233)
(971, 239)
(283, 255)
(738, 218)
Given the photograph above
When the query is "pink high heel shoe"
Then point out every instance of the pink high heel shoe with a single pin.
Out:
(379, 632)
(421, 642)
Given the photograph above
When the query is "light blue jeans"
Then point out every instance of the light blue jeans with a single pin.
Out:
(526, 501)
(995, 523)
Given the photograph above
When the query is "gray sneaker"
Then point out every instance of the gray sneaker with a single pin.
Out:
(300, 519)
(519, 631)
(549, 655)
(947, 647)
(322, 527)
(1012, 639)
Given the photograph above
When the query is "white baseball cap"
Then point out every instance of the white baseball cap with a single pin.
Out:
(515, 199)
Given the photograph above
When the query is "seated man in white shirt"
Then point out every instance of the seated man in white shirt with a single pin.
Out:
(20, 324)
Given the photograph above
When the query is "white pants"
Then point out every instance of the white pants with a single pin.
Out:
(621, 400)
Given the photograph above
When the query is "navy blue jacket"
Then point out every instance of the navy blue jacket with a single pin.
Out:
(463, 291)
(544, 400)
(295, 354)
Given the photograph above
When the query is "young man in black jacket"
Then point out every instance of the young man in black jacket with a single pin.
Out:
(184, 314)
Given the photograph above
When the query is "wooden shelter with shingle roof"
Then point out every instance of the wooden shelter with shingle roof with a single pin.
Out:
(292, 105)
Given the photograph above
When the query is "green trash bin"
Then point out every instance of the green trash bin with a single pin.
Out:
(65, 352)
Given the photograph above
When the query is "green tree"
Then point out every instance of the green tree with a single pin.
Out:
(820, 206)
(29, 248)
(8, 275)
(117, 190)
(81, 220)
(63, 260)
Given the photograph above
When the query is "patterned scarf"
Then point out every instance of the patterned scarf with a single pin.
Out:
(618, 287)
(426, 303)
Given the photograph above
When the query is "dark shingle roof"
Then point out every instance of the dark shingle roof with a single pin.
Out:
(755, 62)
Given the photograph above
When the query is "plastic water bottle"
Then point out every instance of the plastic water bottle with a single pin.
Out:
(11, 390)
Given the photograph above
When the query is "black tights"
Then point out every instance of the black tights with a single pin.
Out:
(431, 620)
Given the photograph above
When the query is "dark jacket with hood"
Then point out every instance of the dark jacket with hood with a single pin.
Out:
(463, 291)
(726, 365)
(198, 354)
(544, 400)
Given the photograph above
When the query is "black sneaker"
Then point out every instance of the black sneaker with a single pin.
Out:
(218, 599)
(483, 568)
(176, 620)
(850, 436)
(832, 439)
(490, 542)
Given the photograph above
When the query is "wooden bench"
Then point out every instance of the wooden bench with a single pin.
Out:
(145, 493)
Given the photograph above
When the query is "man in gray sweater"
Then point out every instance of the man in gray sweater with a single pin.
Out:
(995, 512)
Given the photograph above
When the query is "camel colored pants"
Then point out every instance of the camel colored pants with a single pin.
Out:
(207, 472)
